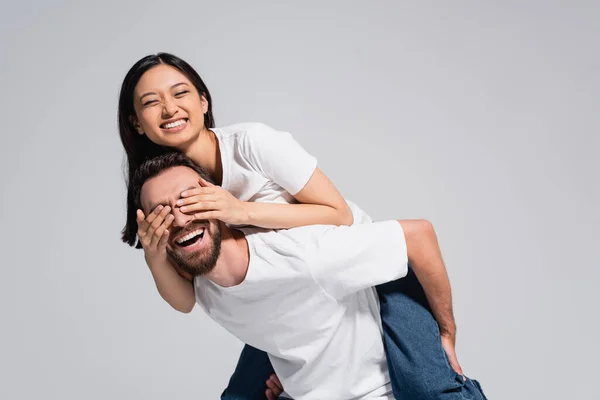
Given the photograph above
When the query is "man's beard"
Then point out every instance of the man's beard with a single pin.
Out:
(203, 261)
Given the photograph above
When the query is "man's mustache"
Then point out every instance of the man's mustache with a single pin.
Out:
(190, 227)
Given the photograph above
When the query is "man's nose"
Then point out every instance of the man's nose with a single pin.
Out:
(180, 219)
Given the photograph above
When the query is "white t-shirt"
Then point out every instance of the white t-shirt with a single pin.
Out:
(265, 165)
(307, 300)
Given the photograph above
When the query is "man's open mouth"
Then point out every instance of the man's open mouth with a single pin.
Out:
(190, 238)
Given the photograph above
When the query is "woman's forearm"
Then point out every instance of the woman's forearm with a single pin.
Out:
(284, 216)
(173, 288)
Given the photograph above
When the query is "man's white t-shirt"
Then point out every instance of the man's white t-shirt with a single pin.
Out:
(265, 165)
(307, 300)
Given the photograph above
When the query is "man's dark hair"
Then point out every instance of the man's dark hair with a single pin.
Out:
(147, 170)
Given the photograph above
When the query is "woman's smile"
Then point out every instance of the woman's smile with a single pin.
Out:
(174, 126)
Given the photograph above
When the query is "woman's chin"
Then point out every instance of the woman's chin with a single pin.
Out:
(177, 140)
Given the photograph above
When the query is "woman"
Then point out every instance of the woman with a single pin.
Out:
(266, 179)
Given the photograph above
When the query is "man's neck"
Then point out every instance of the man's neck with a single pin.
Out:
(233, 261)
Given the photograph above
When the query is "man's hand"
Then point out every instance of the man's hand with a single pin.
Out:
(448, 344)
(274, 388)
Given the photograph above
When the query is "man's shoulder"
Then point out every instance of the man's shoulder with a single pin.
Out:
(300, 237)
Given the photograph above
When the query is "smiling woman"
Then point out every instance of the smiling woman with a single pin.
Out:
(165, 107)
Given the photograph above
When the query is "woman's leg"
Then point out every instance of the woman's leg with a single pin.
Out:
(419, 368)
(248, 381)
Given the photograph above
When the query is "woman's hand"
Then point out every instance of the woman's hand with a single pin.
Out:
(274, 388)
(213, 202)
(153, 232)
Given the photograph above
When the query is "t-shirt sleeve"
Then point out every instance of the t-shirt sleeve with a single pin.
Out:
(278, 157)
(347, 259)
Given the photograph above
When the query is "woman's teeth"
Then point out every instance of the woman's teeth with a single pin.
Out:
(174, 124)
(190, 235)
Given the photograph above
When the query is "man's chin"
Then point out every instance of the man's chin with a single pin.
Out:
(193, 264)
(199, 261)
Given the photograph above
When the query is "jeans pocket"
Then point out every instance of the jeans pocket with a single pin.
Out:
(471, 389)
(478, 386)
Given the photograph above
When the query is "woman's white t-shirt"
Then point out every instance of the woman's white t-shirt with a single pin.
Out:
(265, 165)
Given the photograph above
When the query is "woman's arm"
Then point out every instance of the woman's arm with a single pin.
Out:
(172, 286)
(320, 203)
(153, 233)
(280, 159)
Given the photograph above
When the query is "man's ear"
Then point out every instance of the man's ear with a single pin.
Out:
(136, 124)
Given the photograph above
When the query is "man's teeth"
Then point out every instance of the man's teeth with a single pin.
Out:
(190, 235)
(174, 124)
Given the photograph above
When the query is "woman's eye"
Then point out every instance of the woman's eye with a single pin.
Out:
(181, 93)
(150, 102)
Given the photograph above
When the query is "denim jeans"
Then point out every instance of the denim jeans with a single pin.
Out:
(419, 368)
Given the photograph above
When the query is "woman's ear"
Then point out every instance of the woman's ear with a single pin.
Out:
(136, 124)
(204, 104)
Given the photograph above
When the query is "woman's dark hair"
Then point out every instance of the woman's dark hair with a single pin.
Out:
(153, 167)
(138, 148)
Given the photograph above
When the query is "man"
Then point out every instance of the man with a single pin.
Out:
(302, 295)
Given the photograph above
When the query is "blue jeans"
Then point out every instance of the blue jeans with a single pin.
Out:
(419, 368)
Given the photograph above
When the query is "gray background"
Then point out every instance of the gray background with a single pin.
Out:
(480, 116)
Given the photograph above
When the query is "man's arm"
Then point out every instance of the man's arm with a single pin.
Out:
(426, 260)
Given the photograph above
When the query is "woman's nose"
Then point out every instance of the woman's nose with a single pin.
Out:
(169, 107)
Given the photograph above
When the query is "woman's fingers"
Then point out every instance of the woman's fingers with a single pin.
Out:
(157, 220)
(141, 221)
(164, 239)
(159, 232)
(275, 379)
(145, 224)
(204, 183)
(197, 191)
(204, 215)
(274, 388)
(142, 228)
(198, 198)
(199, 206)
(150, 229)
